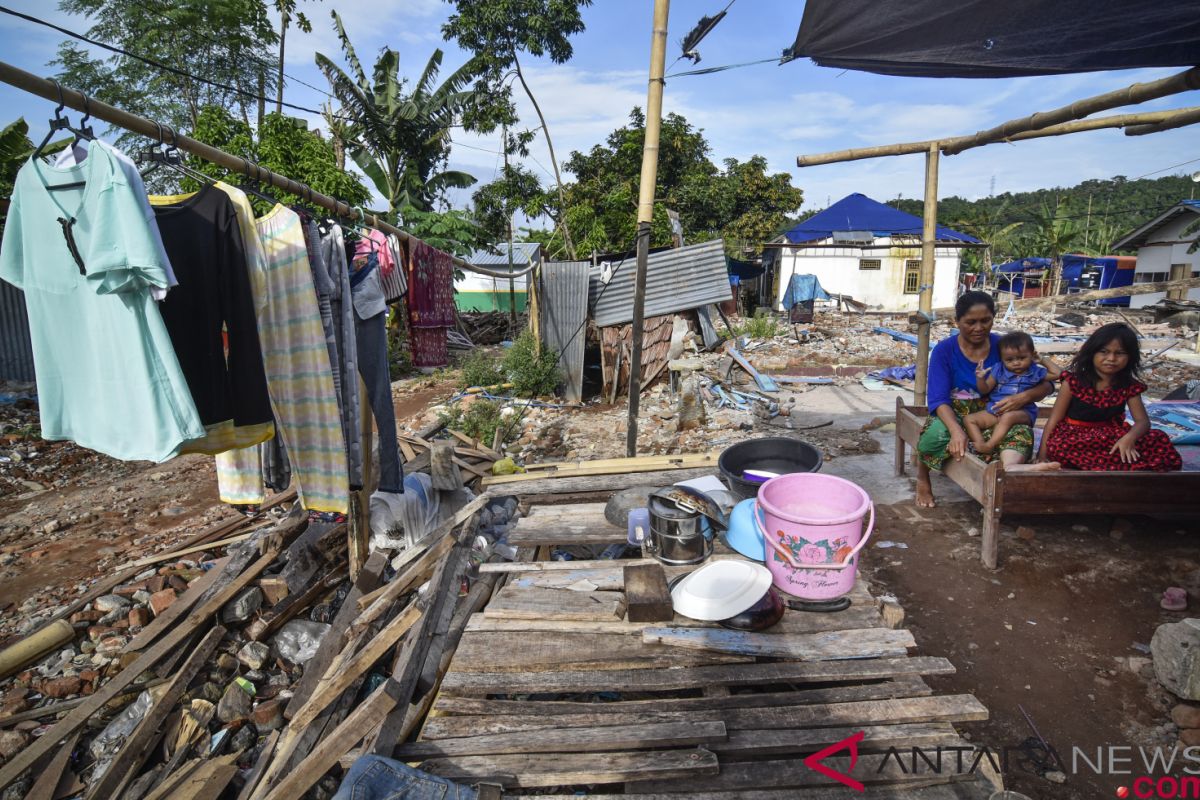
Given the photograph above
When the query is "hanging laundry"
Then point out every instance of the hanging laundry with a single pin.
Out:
(299, 374)
(333, 260)
(395, 284)
(430, 303)
(87, 259)
(370, 330)
(78, 153)
(211, 319)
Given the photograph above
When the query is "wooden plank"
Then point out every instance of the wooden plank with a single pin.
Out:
(575, 524)
(443, 472)
(795, 622)
(543, 566)
(183, 603)
(647, 598)
(831, 645)
(893, 711)
(332, 685)
(128, 760)
(206, 782)
(488, 652)
(364, 718)
(48, 780)
(925, 788)
(477, 471)
(759, 775)
(80, 715)
(781, 741)
(561, 769)
(274, 617)
(555, 604)
(649, 680)
(682, 459)
(604, 483)
(611, 466)
(260, 764)
(333, 641)
(907, 686)
(574, 740)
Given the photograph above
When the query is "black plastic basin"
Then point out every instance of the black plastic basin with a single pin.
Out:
(771, 454)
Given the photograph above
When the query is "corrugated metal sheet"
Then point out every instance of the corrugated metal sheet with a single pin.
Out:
(523, 253)
(562, 314)
(676, 280)
(16, 351)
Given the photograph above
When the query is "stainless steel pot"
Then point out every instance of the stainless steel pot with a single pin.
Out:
(678, 536)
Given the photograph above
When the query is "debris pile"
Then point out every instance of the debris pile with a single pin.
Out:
(245, 657)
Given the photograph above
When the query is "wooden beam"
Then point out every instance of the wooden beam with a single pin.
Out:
(571, 740)
(22, 761)
(571, 769)
(603, 483)
(1182, 117)
(1044, 303)
(828, 646)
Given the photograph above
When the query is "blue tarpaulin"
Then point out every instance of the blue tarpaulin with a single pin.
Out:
(801, 289)
(857, 212)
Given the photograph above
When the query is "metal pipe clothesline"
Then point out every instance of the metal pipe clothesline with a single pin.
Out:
(53, 91)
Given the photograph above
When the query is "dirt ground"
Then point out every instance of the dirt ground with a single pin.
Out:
(1060, 630)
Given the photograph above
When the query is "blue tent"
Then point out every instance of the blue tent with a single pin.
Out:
(858, 213)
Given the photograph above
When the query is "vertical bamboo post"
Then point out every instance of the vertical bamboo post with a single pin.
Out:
(928, 252)
(649, 177)
(358, 532)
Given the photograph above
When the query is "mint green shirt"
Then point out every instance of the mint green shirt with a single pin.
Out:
(107, 375)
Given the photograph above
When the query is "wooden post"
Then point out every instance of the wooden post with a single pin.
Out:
(993, 497)
(658, 58)
(928, 253)
(358, 532)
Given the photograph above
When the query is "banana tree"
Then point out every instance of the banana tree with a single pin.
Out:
(1055, 232)
(400, 139)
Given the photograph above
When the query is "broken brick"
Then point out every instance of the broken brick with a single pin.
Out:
(160, 600)
(139, 617)
(59, 688)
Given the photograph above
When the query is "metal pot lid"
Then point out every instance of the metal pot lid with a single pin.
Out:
(691, 500)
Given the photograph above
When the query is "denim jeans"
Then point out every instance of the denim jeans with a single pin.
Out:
(373, 366)
(379, 778)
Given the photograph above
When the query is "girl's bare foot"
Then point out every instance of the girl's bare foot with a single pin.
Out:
(1041, 466)
(925, 492)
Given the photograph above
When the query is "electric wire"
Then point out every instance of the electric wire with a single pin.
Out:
(161, 66)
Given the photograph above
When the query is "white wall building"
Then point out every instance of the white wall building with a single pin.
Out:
(871, 252)
(1163, 251)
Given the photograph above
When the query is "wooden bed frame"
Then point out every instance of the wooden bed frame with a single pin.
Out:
(1001, 491)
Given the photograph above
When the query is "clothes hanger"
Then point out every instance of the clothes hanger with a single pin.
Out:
(57, 124)
(174, 159)
(251, 183)
(84, 131)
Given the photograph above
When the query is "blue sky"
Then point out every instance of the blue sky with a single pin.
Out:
(776, 111)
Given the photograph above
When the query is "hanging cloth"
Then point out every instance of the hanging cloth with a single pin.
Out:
(107, 374)
(333, 261)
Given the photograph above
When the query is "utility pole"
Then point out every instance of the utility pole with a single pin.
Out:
(658, 60)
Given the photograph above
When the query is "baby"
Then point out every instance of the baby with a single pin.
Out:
(1020, 369)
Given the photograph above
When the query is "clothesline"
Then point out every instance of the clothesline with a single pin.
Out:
(76, 100)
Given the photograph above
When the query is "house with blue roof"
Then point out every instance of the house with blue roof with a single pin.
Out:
(1163, 252)
(871, 252)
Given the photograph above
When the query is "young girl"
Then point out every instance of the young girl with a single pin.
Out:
(1087, 429)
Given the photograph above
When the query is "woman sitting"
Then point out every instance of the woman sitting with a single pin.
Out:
(1087, 429)
(953, 395)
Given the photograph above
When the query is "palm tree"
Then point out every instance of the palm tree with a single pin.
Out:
(990, 227)
(401, 141)
(1056, 233)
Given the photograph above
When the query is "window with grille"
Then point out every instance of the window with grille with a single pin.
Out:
(912, 276)
(870, 263)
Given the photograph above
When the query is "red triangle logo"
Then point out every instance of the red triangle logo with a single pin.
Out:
(813, 762)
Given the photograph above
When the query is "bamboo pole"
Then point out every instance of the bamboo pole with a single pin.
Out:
(71, 98)
(928, 253)
(649, 177)
(1130, 95)
(1178, 119)
(1078, 126)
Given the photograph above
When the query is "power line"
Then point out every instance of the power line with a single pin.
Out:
(262, 61)
(159, 65)
(1164, 169)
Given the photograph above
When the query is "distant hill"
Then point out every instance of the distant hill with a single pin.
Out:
(1118, 205)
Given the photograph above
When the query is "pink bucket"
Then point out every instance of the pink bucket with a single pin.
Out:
(812, 526)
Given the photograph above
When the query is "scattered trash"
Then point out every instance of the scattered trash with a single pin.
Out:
(886, 543)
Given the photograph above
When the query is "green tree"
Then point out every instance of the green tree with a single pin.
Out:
(741, 203)
(400, 140)
(15, 149)
(496, 32)
(517, 189)
(1054, 233)
(223, 42)
(991, 226)
(284, 145)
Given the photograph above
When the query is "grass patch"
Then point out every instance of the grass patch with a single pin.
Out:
(479, 420)
(480, 369)
(532, 375)
(763, 325)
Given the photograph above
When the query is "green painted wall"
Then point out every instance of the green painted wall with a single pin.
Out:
(488, 301)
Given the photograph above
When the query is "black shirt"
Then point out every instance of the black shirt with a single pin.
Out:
(204, 243)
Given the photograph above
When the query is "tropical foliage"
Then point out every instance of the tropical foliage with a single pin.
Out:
(400, 139)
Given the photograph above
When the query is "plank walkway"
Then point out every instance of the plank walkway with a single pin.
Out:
(552, 687)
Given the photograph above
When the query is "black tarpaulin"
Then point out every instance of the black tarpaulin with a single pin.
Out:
(998, 38)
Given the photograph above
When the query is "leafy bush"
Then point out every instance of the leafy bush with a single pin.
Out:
(480, 369)
(532, 375)
(479, 420)
(762, 325)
